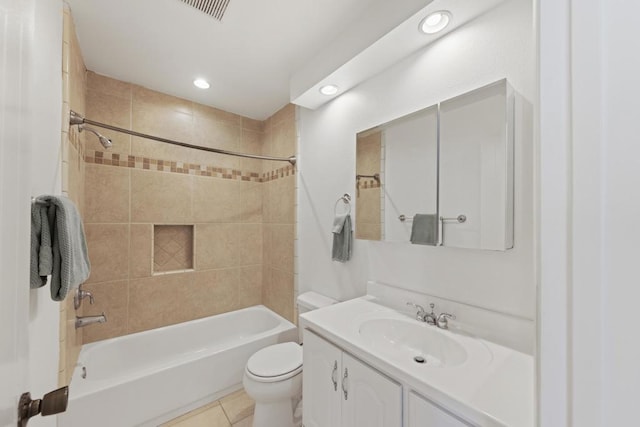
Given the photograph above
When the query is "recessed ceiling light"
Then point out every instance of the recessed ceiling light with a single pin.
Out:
(201, 83)
(436, 21)
(329, 90)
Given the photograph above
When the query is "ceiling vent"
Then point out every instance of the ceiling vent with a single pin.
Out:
(215, 8)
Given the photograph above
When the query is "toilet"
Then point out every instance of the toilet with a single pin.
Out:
(273, 375)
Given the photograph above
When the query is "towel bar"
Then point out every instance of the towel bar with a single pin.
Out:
(459, 219)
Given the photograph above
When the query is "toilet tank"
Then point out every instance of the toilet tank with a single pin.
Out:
(310, 301)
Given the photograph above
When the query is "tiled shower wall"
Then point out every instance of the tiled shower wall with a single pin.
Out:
(279, 216)
(73, 168)
(241, 210)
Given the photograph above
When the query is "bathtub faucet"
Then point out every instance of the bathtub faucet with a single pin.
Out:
(88, 320)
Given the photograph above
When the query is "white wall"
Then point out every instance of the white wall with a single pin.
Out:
(621, 209)
(497, 45)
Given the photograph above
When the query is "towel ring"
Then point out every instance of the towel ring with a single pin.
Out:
(346, 199)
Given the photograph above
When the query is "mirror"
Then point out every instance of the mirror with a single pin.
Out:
(476, 168)
(404, 152)
(452, 164)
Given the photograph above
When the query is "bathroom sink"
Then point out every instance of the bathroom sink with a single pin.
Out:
(423, 343)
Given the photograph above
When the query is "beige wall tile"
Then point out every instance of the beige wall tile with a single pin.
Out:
(368, 150)
(74, 344)
(109, 108)
(282, 198)
(140, 258)
(216, 292)
(160, 197)
(112, 110)
(141, 147)
(268, 204)
(282, 247)
(251, 142)
(164, 123)
(143, 97)
(251, 202)
(106, 85)
(112, 299)
(160, 300)
(277, 292)
(284, 139)
(106, 194)
(366, 231)
(216, 134)
(267, 244)
(74, 177)
(252, 124)
(217, 246)
(288, 112)
(108, 246)
(216, 200)
(207, 112)
(250, 244)
(368, 203)
(250, 286)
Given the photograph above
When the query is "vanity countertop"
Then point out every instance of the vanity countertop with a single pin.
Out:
(494, 386)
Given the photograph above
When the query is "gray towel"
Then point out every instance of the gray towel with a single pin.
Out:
(342, 238)
(424, 229)
(58, 246)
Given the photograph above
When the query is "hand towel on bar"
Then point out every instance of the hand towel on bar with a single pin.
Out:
(342, 238)
(58, 246)
(424, 229)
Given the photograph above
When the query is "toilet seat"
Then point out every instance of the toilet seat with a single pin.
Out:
(275, 363)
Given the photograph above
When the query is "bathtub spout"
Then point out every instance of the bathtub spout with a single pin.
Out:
(88, 320)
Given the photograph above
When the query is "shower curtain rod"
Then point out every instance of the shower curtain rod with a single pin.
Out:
(77, 119)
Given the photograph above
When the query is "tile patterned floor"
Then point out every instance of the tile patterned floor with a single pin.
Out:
(234, 410)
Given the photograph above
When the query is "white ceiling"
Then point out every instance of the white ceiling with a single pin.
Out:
(248, 58)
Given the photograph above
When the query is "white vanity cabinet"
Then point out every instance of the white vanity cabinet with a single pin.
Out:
(423, 413)
(341, 391)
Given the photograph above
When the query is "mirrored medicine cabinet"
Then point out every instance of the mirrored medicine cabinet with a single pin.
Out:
(452, 162)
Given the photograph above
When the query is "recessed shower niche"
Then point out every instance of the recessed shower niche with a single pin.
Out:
(172, 248)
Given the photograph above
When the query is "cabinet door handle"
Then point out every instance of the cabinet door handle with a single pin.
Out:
(334, 375)
(345, 384)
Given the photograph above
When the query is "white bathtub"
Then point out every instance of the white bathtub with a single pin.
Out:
(150, 377)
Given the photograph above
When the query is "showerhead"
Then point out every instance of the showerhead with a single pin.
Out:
(106, 142)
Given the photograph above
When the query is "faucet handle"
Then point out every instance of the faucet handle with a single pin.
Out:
(79, 296)
(421, 312)
(442, 321)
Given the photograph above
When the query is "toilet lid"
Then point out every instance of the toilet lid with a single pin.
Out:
(276, 360)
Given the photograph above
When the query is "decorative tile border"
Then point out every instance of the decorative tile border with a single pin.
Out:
(138, 162)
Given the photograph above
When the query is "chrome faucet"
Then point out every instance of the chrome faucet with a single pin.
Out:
(442, 321)
(89, 320)
(422, 315)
